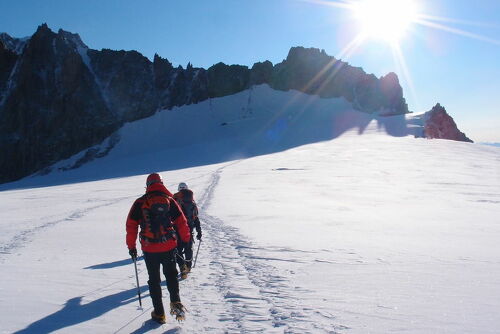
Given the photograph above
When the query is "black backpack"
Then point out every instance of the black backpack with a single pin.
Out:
(156, 225)
(188, 206)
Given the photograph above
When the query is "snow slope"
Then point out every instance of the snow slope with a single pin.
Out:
(372, 233)
(253, 122)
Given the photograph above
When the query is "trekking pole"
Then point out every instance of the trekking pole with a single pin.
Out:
(196, 257)
(137, 280)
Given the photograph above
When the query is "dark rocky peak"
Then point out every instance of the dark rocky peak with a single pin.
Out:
(73, 40)
(43, 28)
(389, 80)
(439, 125)
(53, 107)
(41, 43)
(43, 32)
(15, 45)
(302, 54)
(261, 72)
(110, 61)
(391, 90)
(126, 81)
(306, 69)
(45, 42)
(162, 69)
(134, 57)
(312, 71)
(227, 79)
(162, 63)
(307, 62)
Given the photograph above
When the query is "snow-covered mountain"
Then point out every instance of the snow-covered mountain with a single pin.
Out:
(370, 230)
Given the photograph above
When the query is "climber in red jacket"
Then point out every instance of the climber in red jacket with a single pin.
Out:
(162, 222)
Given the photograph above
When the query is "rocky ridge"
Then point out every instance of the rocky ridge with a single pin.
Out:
(58, 97)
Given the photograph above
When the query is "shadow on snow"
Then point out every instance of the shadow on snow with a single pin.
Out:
(74, 312)
(113, 264)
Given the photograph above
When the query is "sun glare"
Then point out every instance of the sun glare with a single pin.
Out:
(390, 21)
(385, 19)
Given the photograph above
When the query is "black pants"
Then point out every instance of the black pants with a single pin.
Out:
(167, 260)
(185, 253)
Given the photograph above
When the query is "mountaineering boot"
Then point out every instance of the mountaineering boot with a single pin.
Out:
(177, 309)
(184, 271)
(158, 318)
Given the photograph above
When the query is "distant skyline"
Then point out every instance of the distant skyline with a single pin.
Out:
(453, 59)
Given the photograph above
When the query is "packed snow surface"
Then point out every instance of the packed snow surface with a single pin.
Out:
(366, 231)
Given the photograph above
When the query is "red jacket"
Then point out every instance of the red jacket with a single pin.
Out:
(135, 217)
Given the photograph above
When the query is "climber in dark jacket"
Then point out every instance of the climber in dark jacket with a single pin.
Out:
(185, 199)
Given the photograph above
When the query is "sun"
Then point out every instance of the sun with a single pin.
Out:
(385, 19)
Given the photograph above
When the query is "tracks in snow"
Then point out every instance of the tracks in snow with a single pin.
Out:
(236, 286)
(253, 295)
(24, 236)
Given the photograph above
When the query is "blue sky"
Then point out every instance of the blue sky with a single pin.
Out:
(460, 71)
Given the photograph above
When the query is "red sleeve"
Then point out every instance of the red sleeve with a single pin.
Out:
(180, 223)
(132, 225)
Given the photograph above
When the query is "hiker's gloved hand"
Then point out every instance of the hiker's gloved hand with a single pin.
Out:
(198, 236)
(133, 253)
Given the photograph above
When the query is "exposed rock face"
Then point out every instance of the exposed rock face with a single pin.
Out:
(58, 97)
(391, 94)
(261, 73)
(226, 80)
(439, 125)
(314, 72)
(14, 45)
(125, 80)
(7, 61)
(53, 107)
(177, 87)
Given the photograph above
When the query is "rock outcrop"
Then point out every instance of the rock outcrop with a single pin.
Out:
(439, 125)
(15, 45)
(51, 107)
(314, 72)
